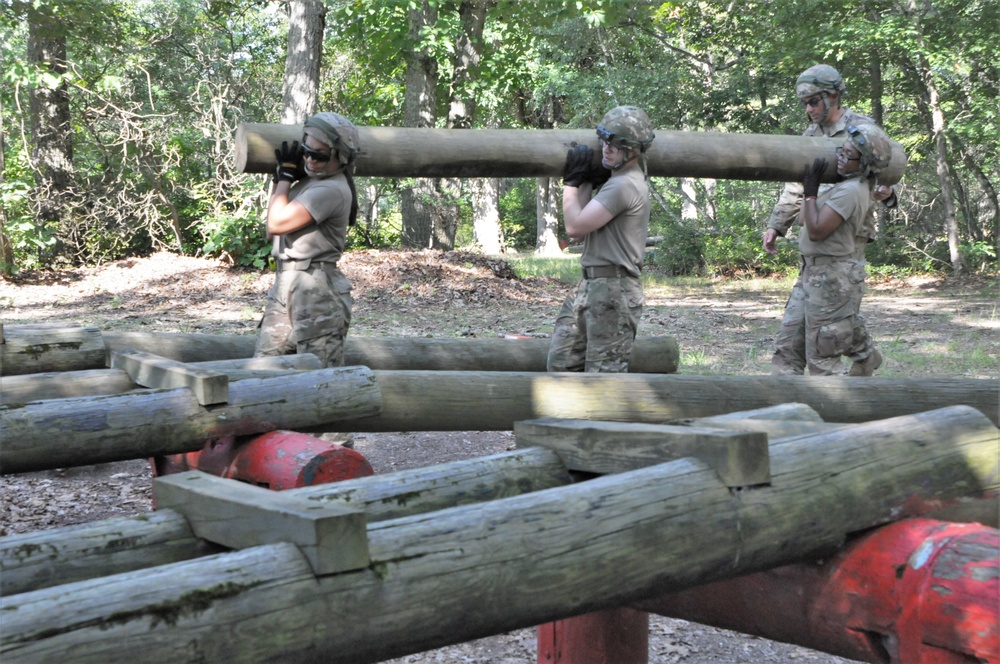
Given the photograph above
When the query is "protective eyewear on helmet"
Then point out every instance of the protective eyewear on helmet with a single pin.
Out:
(856, 135)
(608, 137)
(840, 155)
(315, 155)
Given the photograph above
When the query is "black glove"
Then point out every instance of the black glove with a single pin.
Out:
(577, 166)
(598, 175)
(289, 162)
(811, 176)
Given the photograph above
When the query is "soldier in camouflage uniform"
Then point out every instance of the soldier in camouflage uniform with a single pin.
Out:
(607, 207)
(820, 89)
(832, 274)
(312, 203)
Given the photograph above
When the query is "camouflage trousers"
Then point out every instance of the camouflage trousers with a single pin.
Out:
(596, 326)
(822, 322)
(307, 311)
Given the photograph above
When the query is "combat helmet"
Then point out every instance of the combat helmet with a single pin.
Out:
(819, 79)
(627, 127)
(874, 146)
(336, 131)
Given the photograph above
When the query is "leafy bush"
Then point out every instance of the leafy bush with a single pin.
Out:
(239, 238)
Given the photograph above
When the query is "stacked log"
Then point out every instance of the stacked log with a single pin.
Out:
(470, 571)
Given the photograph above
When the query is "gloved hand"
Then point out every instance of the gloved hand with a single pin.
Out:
(598, 175)
(577, 166)
(289, 162)
(811, 176)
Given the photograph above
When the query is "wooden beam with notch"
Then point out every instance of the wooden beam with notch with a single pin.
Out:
(148, 370)
(239, 515)
(740, 458)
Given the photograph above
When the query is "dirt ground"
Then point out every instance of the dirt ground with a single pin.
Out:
(721, 329)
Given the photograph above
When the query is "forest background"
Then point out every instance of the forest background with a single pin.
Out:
(119, 117)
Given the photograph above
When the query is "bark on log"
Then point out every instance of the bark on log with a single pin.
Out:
(63, 555)
(531, 153)
(493, 401)
(74, 432)
(94, 382)
(649, 355)
(469, 572)
(52, 557)
(49, 347)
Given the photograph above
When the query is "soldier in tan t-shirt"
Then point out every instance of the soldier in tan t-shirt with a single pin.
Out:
(596, 326)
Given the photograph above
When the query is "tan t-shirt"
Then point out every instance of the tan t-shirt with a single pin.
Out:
(622, 241)
(851, 200)
(328, 202)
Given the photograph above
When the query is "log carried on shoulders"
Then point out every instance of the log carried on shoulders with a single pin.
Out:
(520, 153)
(468, 572)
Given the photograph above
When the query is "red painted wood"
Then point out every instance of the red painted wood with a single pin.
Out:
(615, 636)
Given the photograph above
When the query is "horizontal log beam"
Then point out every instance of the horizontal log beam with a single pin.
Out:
(87, 430)
(473, 571)
(94, 382)
(522, 153)
(649, 354)
(46, 558)
(440, 400)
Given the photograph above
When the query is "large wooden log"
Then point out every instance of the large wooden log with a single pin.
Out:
(524, 153)
(658, 354)
(94, 382)
(469, 572)
(49, 347)
(493, 401)
(73, 432)
(52, 557)
(650, 354)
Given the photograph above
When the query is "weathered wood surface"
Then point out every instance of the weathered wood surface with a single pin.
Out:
(739, 457)
(530, 153)
(469, 572)
(49, 347)
(649, 354)
(51, 557)
(95, 382)
(71, 432)
(149, 370)
(493, 401)
(238, 515)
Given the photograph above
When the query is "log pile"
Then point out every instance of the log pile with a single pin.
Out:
(444, 566)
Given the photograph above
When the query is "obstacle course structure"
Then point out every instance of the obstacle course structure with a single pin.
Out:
(445, 554)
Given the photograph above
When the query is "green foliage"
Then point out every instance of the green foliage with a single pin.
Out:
(238, 238)
(518, 217)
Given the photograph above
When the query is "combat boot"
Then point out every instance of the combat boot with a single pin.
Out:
(867, 366)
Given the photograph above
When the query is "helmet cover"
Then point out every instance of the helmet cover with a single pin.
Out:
(874, 146)
(335, 131)
(627, 127)
(818, 79)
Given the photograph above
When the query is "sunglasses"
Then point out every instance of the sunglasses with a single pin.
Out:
(812, 102)
(315, 155)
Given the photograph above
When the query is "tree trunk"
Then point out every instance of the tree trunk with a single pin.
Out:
(487, 230)
(419, 110)
(932, 97)
(306, 23)
(51, 129)
(547, 215)
(468, 572)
